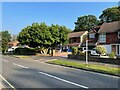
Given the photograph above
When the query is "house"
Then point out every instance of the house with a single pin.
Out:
(92, 38)
(13, 43)
(76, 38)
(109, 37)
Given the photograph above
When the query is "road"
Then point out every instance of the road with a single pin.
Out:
(21, 73)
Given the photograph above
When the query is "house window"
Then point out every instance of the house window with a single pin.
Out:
(118, 34)
(102, 38)
(92, 35)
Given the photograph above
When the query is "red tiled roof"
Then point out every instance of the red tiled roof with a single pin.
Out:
(76, 34)
(110, 27)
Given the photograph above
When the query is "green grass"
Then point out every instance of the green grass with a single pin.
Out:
(99, 68)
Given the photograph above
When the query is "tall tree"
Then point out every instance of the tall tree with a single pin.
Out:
(35, 35)
(5, 35)
(110, 14)
(86, 23)
(64, 34)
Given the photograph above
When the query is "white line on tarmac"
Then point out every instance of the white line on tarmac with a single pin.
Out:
(5, 60)
(63, 80)
(20, 66)
(7, 82)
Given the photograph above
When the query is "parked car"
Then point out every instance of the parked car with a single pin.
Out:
(91, 52)
(12, 49)
(94, 52)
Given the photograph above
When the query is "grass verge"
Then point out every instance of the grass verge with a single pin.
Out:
(90, 67)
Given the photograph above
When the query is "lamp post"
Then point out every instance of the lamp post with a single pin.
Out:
(87, 49)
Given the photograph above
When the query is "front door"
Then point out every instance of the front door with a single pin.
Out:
(114, 48)
(118, 49)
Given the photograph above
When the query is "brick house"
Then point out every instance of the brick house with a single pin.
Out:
(92, 38)
(109, 37)
(76, 38)
(13, 43)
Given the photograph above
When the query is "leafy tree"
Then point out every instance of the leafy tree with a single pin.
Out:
(35, 35)
(5, 36)
(110, 14)
(86, 23)
(63, 34)
(43, 35)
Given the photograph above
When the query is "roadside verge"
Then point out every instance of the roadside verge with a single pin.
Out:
(89, 67)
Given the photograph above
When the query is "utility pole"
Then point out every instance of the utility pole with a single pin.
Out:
(87, 49)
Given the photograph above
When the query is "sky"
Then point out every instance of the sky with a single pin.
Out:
(17, 15)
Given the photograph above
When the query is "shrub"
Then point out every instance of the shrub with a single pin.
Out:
(24, 51)
(101, 49)
(111, 55)
(81, 53)
(74, 50)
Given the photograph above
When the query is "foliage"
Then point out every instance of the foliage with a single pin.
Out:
(93, 67)
(110, 14)
(74, 50)
(86, 23)
(24, 51)
(81, 53)
(5, 36)
(101, 49)
(111, 55)
(43, 36)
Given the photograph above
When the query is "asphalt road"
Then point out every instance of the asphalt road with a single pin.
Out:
(21, 73)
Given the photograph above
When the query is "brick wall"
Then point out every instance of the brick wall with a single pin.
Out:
(112, 38)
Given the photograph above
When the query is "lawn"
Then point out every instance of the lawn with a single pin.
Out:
(91, 67)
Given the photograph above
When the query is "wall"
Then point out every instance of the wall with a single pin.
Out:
(108, 48)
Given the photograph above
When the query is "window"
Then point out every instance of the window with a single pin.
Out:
(119, 34)
(102, 38)
(92, 35)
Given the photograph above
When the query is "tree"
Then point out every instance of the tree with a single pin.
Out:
(35, 35)
(110, 14)
(5, 39)
(64, 34)
(86, 23)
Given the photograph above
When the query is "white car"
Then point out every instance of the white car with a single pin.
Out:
(91, 52)
(94, 52)
(12, 49)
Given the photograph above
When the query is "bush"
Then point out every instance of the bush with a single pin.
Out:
(101, 50)
(81, 53)
(111, 55)
(74, 50)
(24, 51)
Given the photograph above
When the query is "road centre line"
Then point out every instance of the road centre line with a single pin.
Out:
(20, 66)
(8, 82)
(63, 80)
(5, 60)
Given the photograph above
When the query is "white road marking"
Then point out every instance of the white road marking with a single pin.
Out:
(7, 82)
(5, 60)
(63, 80)
(20, 66)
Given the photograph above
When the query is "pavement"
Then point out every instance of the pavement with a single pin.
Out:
(25, 73)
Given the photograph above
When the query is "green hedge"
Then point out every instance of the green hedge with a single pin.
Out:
(24, 51)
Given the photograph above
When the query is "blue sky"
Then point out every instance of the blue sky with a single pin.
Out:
(17, 15)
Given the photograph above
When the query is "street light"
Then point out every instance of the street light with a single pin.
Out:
(87, 49)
